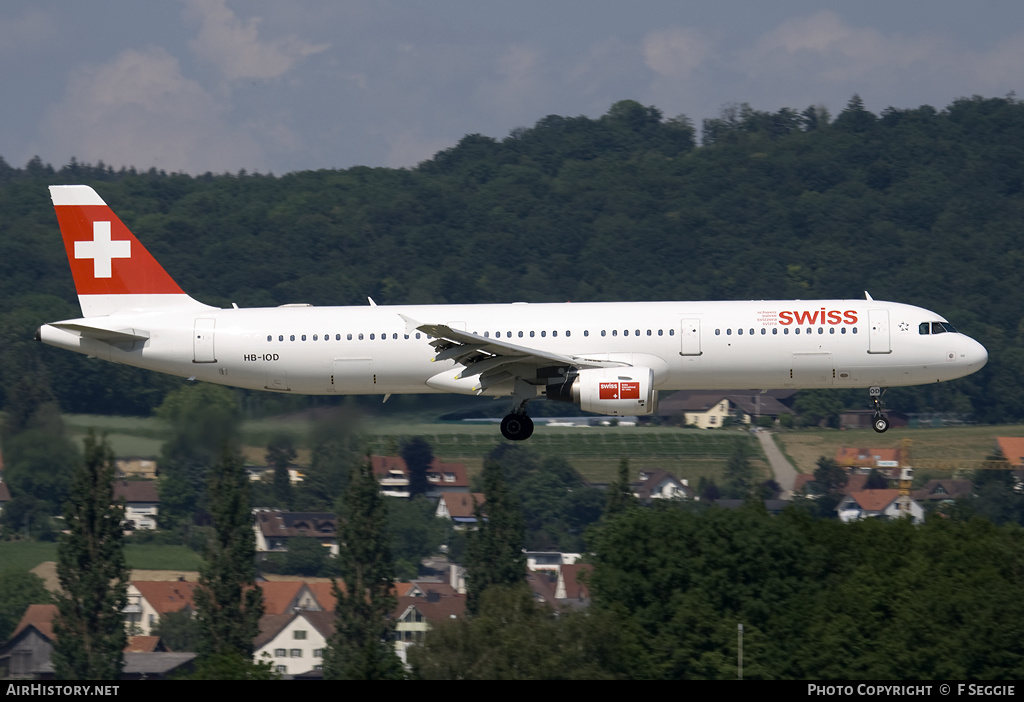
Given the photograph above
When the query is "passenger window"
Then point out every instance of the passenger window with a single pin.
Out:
(615, 332)
(270, 337)
(520, 335)
(728, 332)
(554, 333)
(544, 334)
(291, 338)
(315, 338)
(718, 332)
(739, 332)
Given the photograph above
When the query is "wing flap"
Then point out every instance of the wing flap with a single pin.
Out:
(486, 357)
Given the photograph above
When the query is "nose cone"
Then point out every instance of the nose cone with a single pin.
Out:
(975, 356)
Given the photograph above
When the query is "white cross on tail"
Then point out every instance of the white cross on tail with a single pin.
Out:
(102, 250)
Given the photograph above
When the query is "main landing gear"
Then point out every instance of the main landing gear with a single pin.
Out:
(879, 423)
(517, 426)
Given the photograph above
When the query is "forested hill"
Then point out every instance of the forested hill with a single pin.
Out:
(921, 205)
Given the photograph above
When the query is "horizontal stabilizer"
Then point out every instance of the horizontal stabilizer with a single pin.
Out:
(114, 337)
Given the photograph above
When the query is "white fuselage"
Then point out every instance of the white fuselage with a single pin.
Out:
(689, 345)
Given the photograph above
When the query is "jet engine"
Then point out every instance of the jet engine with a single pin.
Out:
(619, 392)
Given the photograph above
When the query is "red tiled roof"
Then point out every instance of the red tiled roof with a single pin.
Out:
(439, 474)
(142, 644)
(136, 491)
(1012, 448)
(575, 589)
(324, 595)
(442, 609)
(279, 596)
(41, 617)
(461, 504)
(166, 595)
(875, 500)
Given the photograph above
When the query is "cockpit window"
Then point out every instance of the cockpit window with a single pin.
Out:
(936, 328)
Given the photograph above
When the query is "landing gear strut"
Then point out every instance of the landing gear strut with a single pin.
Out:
(879, 423)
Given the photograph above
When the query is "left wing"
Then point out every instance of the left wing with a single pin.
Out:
(491, 359)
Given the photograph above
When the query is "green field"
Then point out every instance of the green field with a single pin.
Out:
(594, 451)
(26, 555)
(933, 450)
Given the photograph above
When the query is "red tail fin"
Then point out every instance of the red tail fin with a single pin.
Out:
(112, 270)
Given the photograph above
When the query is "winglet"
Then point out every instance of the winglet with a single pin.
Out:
(867, 296)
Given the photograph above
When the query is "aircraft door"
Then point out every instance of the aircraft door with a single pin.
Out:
(202, 341)
(689, 337)
(878, 331)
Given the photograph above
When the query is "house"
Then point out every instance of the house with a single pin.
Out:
(550, 560)
(274, 529)
(144, 468)
(866, 504)
(710, 409)
(660, 485)
(460, 508)
(141, 503)
(442, 478)
(416, 615)
(294, 642)
(149, 599)
(935, 491)
(28, 653)
(285, 596)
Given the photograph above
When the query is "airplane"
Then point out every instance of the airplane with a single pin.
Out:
(609, 358)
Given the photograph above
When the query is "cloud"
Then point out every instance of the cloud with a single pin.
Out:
(825, 47)
(139, 110)
(676, 52)
(235, 48)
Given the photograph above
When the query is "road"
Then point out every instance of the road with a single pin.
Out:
(785, 474)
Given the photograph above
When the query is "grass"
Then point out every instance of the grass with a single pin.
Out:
(939, 451)
(26, 555)
(594, 451)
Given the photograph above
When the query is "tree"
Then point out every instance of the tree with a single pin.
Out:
(280, 454)
(228, 602)
(93, 574)
(418, 456)
(203, 418)
(620, 493)
(362, 646)
(739, 474)
(19, 589)
(494, 552)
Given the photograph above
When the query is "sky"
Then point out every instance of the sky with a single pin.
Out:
(273, 87)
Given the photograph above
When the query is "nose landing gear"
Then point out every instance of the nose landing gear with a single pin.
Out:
(879, 423)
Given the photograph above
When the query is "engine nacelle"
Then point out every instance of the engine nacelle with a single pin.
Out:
(619, 392)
